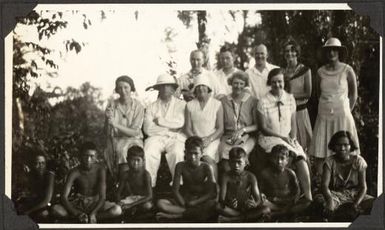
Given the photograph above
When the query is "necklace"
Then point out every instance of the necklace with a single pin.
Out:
(125, 110)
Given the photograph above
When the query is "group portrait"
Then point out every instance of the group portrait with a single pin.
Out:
(193, 114)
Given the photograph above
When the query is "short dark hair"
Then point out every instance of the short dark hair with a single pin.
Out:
(34, 153)
(239, 75)
(193, 142)
(135, 151)
(339, 134)
(227, 47)
(88, 145)
(280, 149)
(126, 79)
(236, 153)
(274, 72)
(295, 46)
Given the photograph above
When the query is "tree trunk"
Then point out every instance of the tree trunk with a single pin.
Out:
(204, 41)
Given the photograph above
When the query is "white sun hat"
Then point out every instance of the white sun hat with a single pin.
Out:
(164, 79)
(335, 43)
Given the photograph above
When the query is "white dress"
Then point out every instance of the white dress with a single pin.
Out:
(333, 111)
(203, 123)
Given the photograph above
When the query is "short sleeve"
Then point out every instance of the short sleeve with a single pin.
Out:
(329, 163)
(138, 115)
(360, 163)
(260, 106)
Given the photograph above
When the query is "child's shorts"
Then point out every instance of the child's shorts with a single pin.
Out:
(87, 203)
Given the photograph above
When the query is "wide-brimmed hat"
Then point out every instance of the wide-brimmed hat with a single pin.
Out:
(335, 43)
(164, 79)
(201, 79)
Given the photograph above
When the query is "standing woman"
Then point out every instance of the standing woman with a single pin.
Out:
(239, 109)
(276, 119)
(298, 77)
(124, 119)
(204, 118)
(337, 90)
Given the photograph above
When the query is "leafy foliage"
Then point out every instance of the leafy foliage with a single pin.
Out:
(59, 130)
(37, 125)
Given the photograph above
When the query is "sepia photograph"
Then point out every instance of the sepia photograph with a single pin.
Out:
(191, 115)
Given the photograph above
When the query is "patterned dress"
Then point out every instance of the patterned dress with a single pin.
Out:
(237, 116)
(278, 113)
(117, 142)
(344, 188)
(333, 111)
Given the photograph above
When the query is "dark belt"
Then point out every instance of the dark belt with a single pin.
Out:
(301, 107)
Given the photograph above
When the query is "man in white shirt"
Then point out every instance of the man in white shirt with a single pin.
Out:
(186, 81)
(226, 59)
(163, 123)
(258, 73)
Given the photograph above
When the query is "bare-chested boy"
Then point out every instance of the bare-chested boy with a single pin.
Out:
(280, 186)
(89, 182)
(135, 184)
(239, 198)
(40, 190)
(195, 200)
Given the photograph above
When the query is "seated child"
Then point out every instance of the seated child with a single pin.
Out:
(239, 198)
(89, 183)
(135, 184)
(280, 186)
(344, 180)
(40, 188)
(195, 200)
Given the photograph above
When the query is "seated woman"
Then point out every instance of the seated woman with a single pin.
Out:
(40, 188)
(239, 118)
(124, 119)
(276, 118)
(204, 118)
(344, 180)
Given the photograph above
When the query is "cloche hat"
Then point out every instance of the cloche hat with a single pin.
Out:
(201, 79)
(164, 79)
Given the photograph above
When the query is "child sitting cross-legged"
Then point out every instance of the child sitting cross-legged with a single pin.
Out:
(239, 198)
(195, 200)
(88, 180)
(280, 186)
(40, 189)
(135, 191)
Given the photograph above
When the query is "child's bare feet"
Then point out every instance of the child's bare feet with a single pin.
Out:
(227, 219)
(162, 216)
